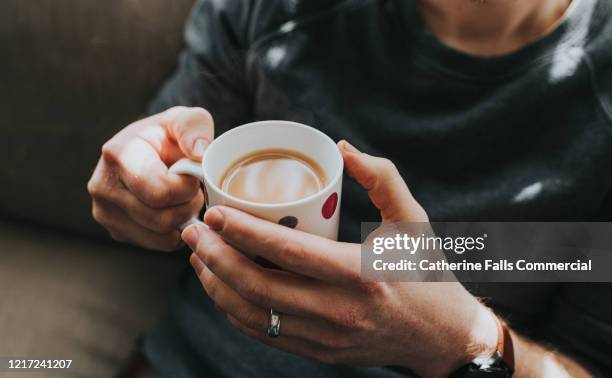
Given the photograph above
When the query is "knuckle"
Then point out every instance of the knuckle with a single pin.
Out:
(250, 319)
(229, 224)
(168, 220)
(93, 188)
(355, 278)
(371, 288)
(95, 213)
(237, 229)
(387, 167)
(256, 292)
(292, 252)
(98, 214)
(211, 286)
(211, 257)
(101, 188)
(199, 114)
(189, 116)
(154, 197)
(138, 184)
(110, 151)
(349, 316)
(294, 299)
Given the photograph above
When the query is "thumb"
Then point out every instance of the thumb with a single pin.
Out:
(384, 184)
(191, 128)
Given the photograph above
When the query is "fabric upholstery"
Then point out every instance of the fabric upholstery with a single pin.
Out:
(72, 74)
(70, 298)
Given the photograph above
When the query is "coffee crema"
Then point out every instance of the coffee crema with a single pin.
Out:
(273, 176)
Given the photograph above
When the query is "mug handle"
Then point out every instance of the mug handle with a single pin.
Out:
(192, 168)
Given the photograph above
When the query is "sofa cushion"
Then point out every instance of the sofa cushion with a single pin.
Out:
(72, 73)
(69, 298)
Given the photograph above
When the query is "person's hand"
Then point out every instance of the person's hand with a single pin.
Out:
(328, 312)
(134, 196)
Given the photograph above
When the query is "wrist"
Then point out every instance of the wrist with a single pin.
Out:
(470, 334)
(484, 335)
(479, 340)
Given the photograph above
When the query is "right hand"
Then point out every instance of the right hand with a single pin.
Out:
(134, 196)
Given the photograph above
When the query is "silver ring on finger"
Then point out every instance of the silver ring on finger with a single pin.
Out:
(274, 324)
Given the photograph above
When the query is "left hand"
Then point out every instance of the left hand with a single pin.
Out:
(328, 312)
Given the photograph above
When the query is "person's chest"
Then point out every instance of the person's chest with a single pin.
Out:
(521, 148)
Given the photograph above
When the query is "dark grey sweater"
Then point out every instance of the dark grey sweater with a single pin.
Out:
(468, 134)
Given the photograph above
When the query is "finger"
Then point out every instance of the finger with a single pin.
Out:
(152, 131)
(384, 184)
(197, 264)
(140, 169)
(254, 317)
(162, 220)
(191, 128)
(178, 132)
(264, 288)
(296, 251)
(123, 229)
(287, 343)
(102, 180)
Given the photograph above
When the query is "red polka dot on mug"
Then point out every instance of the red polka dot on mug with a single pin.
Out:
(329, 207)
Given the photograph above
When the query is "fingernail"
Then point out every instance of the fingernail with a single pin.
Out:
(199, 147)
(349, 147)
(191, 237)
(214, 219)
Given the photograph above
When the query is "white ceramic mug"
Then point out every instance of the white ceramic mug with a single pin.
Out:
(317, 214)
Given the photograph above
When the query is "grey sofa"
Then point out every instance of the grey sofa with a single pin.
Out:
(72, 73)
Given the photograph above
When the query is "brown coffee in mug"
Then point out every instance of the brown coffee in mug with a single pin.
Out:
(273, 176)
